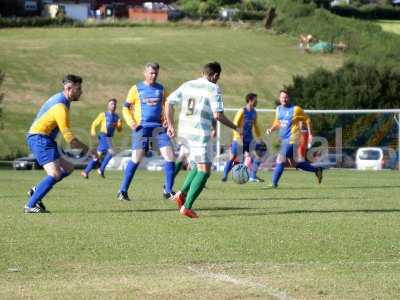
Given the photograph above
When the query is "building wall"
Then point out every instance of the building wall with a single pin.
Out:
(140, 14)
(78, 12)
(98, 3)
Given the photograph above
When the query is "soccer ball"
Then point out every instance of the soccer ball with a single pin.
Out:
(240, 174)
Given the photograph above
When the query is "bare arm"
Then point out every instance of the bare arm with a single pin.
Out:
(220, 116)
(310, 136)
(77, 144)
(169, 113)
(274, 127)
(214, 128)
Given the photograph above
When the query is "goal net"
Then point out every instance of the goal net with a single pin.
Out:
(363, 139)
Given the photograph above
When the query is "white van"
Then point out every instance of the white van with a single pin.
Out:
(369, 158)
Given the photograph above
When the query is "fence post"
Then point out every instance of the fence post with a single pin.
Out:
(398, 141)
(218, 143)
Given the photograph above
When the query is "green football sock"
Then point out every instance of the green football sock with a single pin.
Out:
(188, 181)
(196, 187)
(178, 167)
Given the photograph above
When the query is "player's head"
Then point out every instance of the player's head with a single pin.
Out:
(284, 97)
(112, 105)
(151, 72)
(72, 87)
(251, 99)
(212, 71)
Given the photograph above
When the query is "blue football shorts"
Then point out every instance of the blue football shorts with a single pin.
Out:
(43, 148)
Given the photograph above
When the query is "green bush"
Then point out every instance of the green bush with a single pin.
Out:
(368, 12)
(204, 9)
(366, 40)
(249, 15)
(296, 9)
(353, 86)
(190, 8)
(209, 9)
(35, 22)
(254, 5)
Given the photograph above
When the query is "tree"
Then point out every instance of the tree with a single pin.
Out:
(352, 86)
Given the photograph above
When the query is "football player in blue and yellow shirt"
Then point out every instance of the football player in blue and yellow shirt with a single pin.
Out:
(107, 121)
(143, 111)
(52, 118)
(245, 118)
(288, 120)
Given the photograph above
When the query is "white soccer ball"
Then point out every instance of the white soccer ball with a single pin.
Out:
(240, 174)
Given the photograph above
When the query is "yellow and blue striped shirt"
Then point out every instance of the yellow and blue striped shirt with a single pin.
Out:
(144, 105)
(52, 118)
(107, 122)
(247, 120)
(288, 119)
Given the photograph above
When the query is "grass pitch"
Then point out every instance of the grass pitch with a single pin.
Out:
(390, 26)
(338, 240)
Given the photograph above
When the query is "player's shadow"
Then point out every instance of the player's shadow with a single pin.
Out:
(266, 198)
(223, 208)
(339, 187)
(152, 210)
(124, 211)
(330, 211)
(306, 211)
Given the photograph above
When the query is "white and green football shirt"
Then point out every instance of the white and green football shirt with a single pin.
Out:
(199, 99)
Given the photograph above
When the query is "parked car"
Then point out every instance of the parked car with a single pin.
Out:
(26, 163)
(76, 157)
(155, 164)
(390, 159)
(120, 160)
(174, 14)
(150, 161)
(226, 14)
(369, 158)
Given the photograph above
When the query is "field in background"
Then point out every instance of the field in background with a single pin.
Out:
(390, 26)
(111, 60)
(339, 240)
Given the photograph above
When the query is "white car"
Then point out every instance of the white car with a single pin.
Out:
(369, 158)
(151, 161)
(120, 160)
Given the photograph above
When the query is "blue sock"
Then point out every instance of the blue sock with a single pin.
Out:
(92, 164)
(42, 188)
(63, 175)
(128, 176)
(105, 161)
(304, 165)
(169, 175)
(277, 173)
(228, 167)
(254, 168)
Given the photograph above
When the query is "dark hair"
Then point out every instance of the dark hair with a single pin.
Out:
(250, 96)
(212, 68)
(153, 65)
(284, 91)
(113, 100)
(70, 78)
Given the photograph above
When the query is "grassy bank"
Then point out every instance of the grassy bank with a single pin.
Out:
(111, 60)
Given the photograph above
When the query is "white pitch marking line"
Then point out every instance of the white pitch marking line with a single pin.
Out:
(226, 278)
